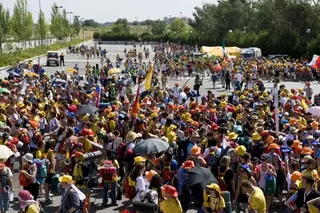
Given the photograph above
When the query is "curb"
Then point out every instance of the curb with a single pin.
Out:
(34, 58)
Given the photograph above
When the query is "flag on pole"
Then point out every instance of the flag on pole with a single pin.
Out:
(135, 106)
(225, 143)
(146, 83)
(315, 62)
(97, 94)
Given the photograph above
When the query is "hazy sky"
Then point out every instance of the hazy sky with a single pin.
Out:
(108, 10)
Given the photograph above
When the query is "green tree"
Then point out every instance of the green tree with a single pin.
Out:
(76, 25)
(55, 26)
(4, 24)
(65, 25)
(42, 27)
(21, 21)
(90, 23)
(158, 27)
(120, 26)
(178, 26)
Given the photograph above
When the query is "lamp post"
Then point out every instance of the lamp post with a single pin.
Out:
(70, 13)
(60, 21)
(40, 17)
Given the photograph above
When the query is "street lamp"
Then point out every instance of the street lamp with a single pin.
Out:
(41, 30)
(70, 13)
(308, 31)
(180, 15)
(60, 20)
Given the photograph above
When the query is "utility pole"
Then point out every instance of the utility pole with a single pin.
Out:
(70, 13)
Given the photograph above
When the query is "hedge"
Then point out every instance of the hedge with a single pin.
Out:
(13, 57)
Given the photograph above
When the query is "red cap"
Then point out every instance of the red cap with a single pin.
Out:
(170, 190)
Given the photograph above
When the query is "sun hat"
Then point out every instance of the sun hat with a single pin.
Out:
(293, 121)
(150, 174)
(306, 151)
(296, 175)
(296, 144)
(170, 190)
(172, 137)
(139, 159)
(255, 136)
(24, 195)
(214, 127)
(28, 157)
(232, 136)
(131, 136)
(188, 164)
(214, 186)
(66, 179)
(195, 150)
(273, 146)
(241, 150)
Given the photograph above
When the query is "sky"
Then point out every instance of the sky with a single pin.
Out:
(108, 10)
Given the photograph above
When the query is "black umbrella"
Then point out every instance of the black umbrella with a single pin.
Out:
(151, 145)
(87, 109)
(200, 176)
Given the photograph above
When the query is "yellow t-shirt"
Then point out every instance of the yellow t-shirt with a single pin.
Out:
(216, 204)
(32, 209)
(170, 206)
(257, 201)
(3, 118)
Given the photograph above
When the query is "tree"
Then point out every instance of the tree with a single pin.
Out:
(178, 26)
(65, 26)
(4, 24)
(120, 26)
(55, 26)
(90, 23)
(76, 25)
(158, 27)
(42, 27)
(21, 21)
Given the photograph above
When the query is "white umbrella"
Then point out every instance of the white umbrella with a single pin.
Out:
(315, 111)
(5, 153)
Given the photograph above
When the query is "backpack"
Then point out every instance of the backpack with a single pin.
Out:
(121, 151)
(221, 182)
(42, 168)
(270, 187)
(129, 188)
(23, 180)
(212, 158)
(4, 178)
(109, 173)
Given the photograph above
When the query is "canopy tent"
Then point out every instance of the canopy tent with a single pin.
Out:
(217, 51)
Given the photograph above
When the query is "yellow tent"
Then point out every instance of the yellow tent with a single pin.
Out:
(217, 50)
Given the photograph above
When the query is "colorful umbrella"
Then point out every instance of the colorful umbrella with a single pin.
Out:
(5, 153)
(4, 90)
(114, 71)
(72, 70)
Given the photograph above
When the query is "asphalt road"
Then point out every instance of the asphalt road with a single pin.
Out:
(71, 60)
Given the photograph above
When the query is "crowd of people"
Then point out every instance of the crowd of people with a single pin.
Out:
(166, 149)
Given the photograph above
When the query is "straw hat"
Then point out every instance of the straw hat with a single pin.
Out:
(214, 186)
(195, 150)
(131, 136)
(139, 159)
(66, 179)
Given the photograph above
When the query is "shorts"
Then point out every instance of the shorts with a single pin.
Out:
(49, 179)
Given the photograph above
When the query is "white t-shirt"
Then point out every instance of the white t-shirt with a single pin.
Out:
(207, 152)
(182, 96)
(140, 187)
